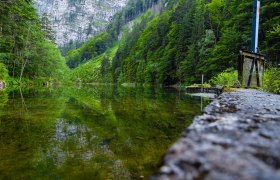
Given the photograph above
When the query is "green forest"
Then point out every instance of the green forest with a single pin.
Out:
(27, 49)
(151, 42)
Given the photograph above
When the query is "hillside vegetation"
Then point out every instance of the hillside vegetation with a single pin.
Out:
(153, 42)
(27, 50)
(175, 41)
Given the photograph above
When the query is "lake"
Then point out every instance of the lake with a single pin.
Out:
(90, 132)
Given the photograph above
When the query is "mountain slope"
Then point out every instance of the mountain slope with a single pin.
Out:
(184, 39)
(104, 40)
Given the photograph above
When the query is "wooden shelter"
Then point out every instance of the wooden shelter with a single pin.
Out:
(251, 69)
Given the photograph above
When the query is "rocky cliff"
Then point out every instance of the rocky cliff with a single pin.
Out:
(77, 20)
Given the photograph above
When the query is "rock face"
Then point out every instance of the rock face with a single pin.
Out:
(77, 20)
(237, 137)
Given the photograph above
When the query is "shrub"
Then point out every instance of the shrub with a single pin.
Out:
(228, 78)
(3, 72)
(3, 99)
(271, 80)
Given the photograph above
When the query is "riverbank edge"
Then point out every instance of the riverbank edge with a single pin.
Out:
(236, 137)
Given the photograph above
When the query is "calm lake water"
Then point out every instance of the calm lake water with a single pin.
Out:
(91, 132)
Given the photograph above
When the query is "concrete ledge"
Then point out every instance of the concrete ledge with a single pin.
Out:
(237, 137)
(215, 90)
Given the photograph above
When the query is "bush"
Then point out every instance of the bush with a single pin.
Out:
(271, 80)
(3, 99)
(3, 72)
(228, 78)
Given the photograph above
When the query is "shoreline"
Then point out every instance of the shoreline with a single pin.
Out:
(236, 137)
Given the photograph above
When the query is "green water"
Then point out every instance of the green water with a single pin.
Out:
(91, 132)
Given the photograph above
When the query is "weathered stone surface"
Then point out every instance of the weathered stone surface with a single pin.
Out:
(74, 20)
(2, 85)
(237, 137)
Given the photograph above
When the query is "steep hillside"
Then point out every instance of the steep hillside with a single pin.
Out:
(114, 31)
(181, 41)
(99, 67)
(75, 21)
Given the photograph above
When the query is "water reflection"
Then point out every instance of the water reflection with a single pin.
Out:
(100, 132)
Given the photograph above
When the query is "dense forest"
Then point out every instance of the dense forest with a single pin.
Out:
(174, 42)
(161, 42)
(27, 49)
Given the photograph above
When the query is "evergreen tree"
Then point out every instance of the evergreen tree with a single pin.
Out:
(46, 27)
(23, 43)
(185, 39)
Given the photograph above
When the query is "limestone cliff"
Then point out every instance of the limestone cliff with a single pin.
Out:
(77, 20)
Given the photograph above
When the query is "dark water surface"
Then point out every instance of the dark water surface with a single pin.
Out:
(92, 132)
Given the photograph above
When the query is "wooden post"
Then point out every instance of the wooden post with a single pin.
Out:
(202, 79)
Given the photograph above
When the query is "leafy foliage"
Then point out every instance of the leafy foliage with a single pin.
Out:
(105, 40)
(272, 80)
(90, 49)
(98, 69)
(26, 43)
(174, 42)
(3, 72)
(228, 78)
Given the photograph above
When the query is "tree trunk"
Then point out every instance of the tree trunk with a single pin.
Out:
(22, 69)
(24, 61)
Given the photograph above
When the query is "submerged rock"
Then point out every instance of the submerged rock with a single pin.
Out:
(237, 137)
